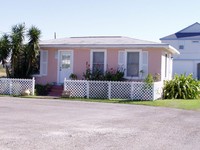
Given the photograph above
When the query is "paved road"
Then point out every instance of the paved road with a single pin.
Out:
(27, 124)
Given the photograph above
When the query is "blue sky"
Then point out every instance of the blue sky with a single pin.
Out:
(142, 19)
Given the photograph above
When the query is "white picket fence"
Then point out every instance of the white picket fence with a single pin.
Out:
(10, 86)
(113, 90)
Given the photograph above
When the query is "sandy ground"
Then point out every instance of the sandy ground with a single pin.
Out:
(29, 124)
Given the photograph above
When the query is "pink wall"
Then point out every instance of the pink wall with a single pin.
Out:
(82, 55)
(154, 60)
(112, 58)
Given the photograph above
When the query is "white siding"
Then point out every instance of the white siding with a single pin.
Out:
(189, 57)
(187, 67)
(166, 65)
(163, 67)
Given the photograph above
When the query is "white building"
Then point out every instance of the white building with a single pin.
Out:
(187, 41)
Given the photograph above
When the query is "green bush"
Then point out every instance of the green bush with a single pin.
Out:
(148, 81)
(42, 89)
(181, 87)
(73, 76)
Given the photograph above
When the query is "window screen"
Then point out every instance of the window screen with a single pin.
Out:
(98, 61)
(132, 64)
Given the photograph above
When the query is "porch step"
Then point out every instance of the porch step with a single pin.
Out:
(56, 90)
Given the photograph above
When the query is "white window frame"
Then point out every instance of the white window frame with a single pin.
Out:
(105, 57)
(140, 63)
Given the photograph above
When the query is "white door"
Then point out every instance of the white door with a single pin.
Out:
(65, 65)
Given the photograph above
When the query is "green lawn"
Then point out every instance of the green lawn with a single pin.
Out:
(181, 104)
(2, 71)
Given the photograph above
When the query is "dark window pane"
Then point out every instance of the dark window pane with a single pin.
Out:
(133, 64)
(98, 61)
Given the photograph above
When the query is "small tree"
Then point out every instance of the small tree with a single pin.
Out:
(32, 49)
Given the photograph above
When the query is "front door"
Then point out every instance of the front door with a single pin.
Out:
(198, 71)
(65, 65)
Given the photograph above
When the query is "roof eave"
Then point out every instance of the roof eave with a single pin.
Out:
(172, 49)
(101, 45)
(161, 45)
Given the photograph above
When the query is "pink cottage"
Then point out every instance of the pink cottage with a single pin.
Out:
(59, 58)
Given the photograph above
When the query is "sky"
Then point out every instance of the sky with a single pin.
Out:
(141, 19)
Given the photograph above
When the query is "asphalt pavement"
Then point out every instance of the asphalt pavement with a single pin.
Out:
(39, 124)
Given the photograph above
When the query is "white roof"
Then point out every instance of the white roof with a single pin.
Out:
(97, 40)
(102, 41)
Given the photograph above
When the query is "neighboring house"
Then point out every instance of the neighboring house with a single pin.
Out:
(187, 41)
(61, 57)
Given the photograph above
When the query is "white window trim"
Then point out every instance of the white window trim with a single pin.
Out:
(140, 62)
(105, 57)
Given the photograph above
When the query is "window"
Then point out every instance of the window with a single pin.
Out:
(132, 64)
(181, 46)
(195, 41)
(98, 61)
(135, 63)
(65, 60)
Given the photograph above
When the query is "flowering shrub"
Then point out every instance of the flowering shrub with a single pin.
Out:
(110, 75)
(113, 75)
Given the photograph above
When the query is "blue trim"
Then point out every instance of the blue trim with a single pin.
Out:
(181, 35)
(175, 59)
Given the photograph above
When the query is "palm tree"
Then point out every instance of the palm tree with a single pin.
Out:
(4, 49)
(17, 46)
(23, 56)
(32, 48)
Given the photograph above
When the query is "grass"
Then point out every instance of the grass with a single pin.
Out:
(180, 104)
(2, 71)
(187, 104)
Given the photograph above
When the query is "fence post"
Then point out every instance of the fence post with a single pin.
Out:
(10, 86)
(109, 89)
(33, 86)
(87, 89)
(65, 80)
(131, 90)
(153, 92)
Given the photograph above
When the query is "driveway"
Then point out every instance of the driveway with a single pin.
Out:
(27, 124)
